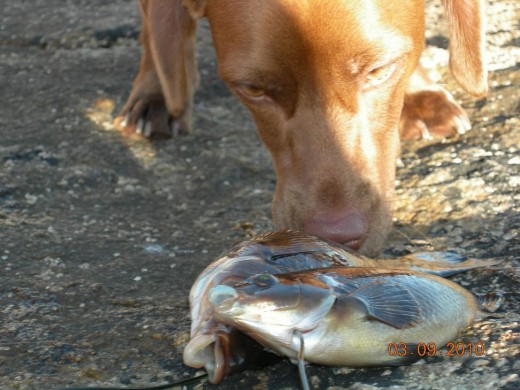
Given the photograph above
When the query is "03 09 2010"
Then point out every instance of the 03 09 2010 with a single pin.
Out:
(424, 349)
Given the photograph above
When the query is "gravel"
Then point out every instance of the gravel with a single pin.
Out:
(101, 237)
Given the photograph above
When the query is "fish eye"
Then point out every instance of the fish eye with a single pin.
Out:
(264, 280)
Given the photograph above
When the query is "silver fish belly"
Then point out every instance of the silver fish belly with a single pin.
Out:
(345, 316)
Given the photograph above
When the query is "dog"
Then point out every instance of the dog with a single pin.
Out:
(333, 86)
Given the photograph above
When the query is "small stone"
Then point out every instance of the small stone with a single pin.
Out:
(342, 370)
(501, 362)
(514, 160)
(315, 381)
(510, 378)
(514, 181)
(480, 363)
(31, 199)
(154, 248)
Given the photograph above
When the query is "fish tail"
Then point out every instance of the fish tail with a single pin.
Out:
(445, 263)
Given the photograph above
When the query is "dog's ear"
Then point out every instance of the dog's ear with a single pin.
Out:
(196, 8)
(466, 20)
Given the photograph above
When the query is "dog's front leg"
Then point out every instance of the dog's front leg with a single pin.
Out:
(429, 109)
(161, 99)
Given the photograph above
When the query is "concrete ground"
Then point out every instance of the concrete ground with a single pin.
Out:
(101, 237)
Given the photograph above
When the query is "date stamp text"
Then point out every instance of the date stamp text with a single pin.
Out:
(454, 349)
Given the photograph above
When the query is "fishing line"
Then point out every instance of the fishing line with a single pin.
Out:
(180, 383)
(301, 362)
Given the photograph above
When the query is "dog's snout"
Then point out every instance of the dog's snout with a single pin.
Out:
(349, 228)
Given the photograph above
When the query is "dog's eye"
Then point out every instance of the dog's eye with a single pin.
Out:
(251, 91)
(380, 74)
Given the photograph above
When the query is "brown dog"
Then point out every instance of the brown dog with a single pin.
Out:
(325, 81)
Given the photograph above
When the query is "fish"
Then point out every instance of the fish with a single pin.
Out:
(346, 316)
(220, 347)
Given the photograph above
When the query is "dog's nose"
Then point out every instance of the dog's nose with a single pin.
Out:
(349, 228)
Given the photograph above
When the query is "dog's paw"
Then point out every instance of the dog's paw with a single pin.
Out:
(432, 113)
(148, 117)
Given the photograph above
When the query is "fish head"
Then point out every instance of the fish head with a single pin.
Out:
(271, 308)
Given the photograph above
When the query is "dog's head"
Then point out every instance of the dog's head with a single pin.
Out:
(325, 82)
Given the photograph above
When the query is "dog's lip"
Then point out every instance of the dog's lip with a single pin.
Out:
(354, 244)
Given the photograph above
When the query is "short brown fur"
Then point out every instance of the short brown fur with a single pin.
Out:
(332, 85)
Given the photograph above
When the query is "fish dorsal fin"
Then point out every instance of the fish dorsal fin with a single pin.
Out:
(388, 302)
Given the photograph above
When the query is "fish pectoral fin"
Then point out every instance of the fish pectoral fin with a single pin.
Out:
(314, 317)
(390, 303)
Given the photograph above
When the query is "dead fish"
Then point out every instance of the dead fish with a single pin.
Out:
(346, 316)
(219, 347)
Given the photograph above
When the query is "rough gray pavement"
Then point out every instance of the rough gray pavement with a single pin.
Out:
(102, 237)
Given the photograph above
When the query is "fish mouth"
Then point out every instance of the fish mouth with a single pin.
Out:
(215, 350)
(222, 352)
(210, 351)
(200, 352)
